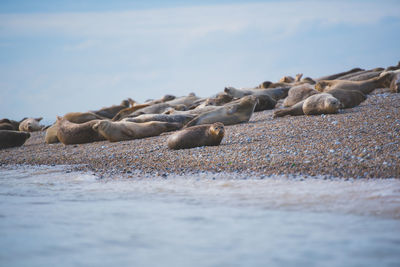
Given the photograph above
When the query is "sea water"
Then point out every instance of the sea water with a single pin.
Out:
(50, 217)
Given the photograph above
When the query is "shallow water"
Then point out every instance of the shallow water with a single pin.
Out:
(50, 217)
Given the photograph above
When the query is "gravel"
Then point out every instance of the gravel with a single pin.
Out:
(362, 142)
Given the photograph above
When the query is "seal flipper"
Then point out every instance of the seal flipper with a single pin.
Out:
(295, 110)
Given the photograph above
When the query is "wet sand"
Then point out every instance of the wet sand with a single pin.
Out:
(362, 142)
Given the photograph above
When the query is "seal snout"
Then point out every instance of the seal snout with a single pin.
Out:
(96, 126)
(218, 129)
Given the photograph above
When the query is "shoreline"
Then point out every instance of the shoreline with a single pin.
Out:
(361, 142)
(377, 198)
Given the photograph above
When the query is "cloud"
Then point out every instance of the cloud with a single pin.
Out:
(196, 22)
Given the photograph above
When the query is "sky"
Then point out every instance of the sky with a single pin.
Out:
(68, 56)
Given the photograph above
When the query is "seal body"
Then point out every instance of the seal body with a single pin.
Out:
(110, 112)
(232, 113)
(362, 75)
(196, 111)
(200, 135)
(82, 117)
(180, 118)
(10, 138)
(219, 100)
(125, 130)
(322, 103)
(51, 134)
(395, 84)
(295, 110)
(298, 93)
(128, 111)
(72, 133)
(338, 75)
(264, 102)
(348, 98)
(154, 109)
(183, 100)
(30, 125)
(6, 124)
(364, 87)
(275, 93)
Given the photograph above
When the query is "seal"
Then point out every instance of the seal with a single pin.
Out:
(337, 75)
(115, 131)
(180, 118)
(275, 93)
(81, 117)
(128, 111)
(362, 75)
(200, 135)
(348, 98)
(219, 100)
(395, 84)
(322, 103)
(286, 79)
(297, 81)
(10, 138)
(73, 133)
(156, 109)
(264, 102)
(196, 111)
(184, 100)
(308, 80)
(31, 125)
(163, 99)
(110, 112)
(51, 134)
(290, 79)
(393, 67)
(365, 87)
(232, 113)
(299, 93)
(7, 124)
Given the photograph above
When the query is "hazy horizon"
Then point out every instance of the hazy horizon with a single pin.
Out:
(64, 56)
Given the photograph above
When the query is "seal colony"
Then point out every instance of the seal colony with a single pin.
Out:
(176, 121)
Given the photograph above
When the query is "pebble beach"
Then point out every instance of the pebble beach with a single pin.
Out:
(361, 142)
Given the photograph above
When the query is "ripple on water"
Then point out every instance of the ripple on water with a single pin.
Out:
(189, 221)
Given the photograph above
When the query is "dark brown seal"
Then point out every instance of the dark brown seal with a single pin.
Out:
(200, 135)
(264, 102)
(7, 124)
(12, 138)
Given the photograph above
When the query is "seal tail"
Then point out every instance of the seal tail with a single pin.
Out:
(192, 122)
(295, 110)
